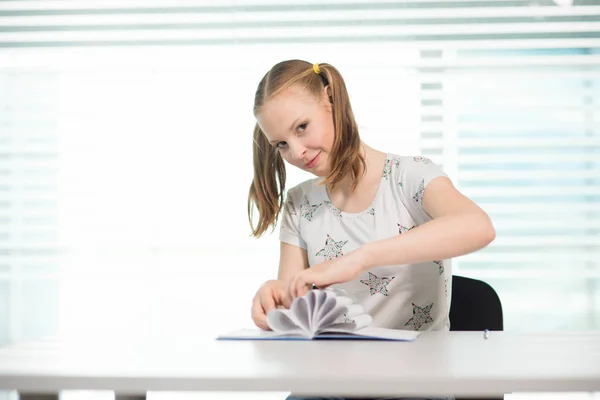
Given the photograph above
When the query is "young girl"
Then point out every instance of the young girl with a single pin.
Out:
(380, 226)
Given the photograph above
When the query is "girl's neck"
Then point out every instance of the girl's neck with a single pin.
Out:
(375, 162)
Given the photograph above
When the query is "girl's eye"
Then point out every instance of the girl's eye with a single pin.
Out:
(302, 127)
(280, 145)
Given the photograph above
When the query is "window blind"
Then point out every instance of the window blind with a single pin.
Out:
(507, 96)
(519, 130)
(29, 217)
(426, 24)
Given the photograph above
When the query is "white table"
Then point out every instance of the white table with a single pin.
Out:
(460, 363)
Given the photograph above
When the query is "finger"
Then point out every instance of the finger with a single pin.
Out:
(304, 289)
(258, 315)
(256, 308)
(262, 323)
(301, 283)
(267, 302)
(281, 297)
(287, 300)
(298, 288)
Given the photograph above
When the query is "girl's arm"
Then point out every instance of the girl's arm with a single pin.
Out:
(458, 227)
(292, 259)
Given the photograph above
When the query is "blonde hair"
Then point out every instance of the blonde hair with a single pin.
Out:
(268, 185)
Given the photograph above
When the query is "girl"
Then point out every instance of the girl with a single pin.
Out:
(380, 226)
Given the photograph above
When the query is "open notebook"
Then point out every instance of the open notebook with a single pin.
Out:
(321, 314)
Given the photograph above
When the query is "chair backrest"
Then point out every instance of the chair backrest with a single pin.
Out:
(475, 306)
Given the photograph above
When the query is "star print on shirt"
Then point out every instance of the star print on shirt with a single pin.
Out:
(419, 195)
(371, 211)
(402, 228)
(307, 210)
(421, 316)
(424, 160)
(290, 207)
(387, 169)
(440, 264)
(336, 211)
(332, 248)
(377, 285)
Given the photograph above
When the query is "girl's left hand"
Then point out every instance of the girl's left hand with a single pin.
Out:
(339, 270)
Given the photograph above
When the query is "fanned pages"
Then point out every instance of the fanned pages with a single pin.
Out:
(319, 311)
(321, 314)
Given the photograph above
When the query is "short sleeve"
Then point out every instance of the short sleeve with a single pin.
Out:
(414, 174)
(290, 223)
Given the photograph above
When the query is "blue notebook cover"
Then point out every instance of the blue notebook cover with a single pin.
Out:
(367, 333)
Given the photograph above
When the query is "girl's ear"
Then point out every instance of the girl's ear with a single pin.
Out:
(327, 93)
(327, 99)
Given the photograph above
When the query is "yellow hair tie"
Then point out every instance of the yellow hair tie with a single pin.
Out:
(316, 69)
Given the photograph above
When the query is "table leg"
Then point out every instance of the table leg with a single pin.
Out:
(38, 396)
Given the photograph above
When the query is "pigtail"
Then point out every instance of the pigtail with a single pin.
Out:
(346, 154)
(268, 185)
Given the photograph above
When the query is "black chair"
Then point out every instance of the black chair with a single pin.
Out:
(475, 306)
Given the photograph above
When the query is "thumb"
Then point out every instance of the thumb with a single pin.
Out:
(282, 297)
(303, 283)
(268, 302)
(286, 300)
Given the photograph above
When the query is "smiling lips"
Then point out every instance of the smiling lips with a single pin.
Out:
(313, 162)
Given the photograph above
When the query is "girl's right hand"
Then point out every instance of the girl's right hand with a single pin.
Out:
(270, 295)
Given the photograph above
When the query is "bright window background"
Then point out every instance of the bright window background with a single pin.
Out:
(143, 163)
(125, 149)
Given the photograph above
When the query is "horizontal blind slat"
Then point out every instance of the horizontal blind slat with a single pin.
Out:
(591, 144)
(405, 9)
(529, 158)
(528, 174)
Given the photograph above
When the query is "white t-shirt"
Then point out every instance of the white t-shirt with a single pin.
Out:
(412, 296)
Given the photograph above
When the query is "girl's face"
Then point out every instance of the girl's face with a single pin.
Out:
(300, 127)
